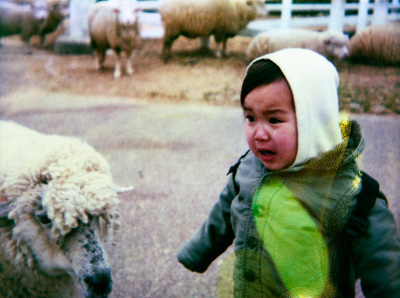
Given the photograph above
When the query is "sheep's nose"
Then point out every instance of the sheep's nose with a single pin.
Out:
(99, 284)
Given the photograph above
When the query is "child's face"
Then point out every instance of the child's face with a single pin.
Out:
(271, 126)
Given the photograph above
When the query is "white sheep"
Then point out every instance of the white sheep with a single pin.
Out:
(24, 19)
(332, 45)
(376, 45)
(221, 18)
(58, 216)
(114, 25)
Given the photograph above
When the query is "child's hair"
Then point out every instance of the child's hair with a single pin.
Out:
(261, 72)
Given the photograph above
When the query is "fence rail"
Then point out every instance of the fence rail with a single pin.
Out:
(276, 7)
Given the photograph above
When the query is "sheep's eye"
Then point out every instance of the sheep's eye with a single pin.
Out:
(42, 217)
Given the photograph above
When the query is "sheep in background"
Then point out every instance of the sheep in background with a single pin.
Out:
(114, 25)
(376, 45)
(58, 11)
(26, 19)
(58, 215)
(221, 18)
(332, 45)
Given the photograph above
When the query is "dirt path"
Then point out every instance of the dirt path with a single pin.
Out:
(190, 77)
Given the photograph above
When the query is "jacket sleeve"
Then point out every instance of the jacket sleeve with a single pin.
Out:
(376, 254)
(214, 236)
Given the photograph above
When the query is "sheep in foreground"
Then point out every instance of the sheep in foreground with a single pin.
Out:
(58, 215)
(114, 25)
(376, 45)
(221, 18)
(26, 19)
(332, 45)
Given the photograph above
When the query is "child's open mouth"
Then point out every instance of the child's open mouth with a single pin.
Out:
(267, 155)
(267, 152)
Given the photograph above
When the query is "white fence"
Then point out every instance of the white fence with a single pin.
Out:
(382, 11)
(334, 19)
(277, 7)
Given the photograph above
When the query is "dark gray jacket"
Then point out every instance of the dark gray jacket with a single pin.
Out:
(288, 231)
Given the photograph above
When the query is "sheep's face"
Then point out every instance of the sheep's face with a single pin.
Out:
(127, 14)
(84, 248)
(77, 250)
(255, 8)
(337, 46)
(80, 254)
(31, 232)
(39, 11)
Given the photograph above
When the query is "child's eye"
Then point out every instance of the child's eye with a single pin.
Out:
(274, 121)
(250, 118)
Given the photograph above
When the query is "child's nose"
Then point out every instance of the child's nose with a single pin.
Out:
(261, 133)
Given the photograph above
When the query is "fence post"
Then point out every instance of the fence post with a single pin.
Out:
(286, 13)
(380, 12)
(79, 11)
(336, 16)
(362, 15)
(76, 39)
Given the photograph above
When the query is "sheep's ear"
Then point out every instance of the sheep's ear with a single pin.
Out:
(120, 189)
(4, 210)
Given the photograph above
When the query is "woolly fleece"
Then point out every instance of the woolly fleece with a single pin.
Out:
(76, 177)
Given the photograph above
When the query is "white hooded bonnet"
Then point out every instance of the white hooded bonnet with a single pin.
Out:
(313, 81)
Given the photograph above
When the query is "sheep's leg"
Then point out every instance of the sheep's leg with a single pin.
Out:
(26, 39)
(117, 71)
(218, 52)
(28, 49)
(42, 39)
(167, 45)
(129, 67)
(204, 42)
(218, 40)
(100, 56)
(224, 42)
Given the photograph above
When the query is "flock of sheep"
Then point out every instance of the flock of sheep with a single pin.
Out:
(58, 203)
(115, 24)
(224, 19)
